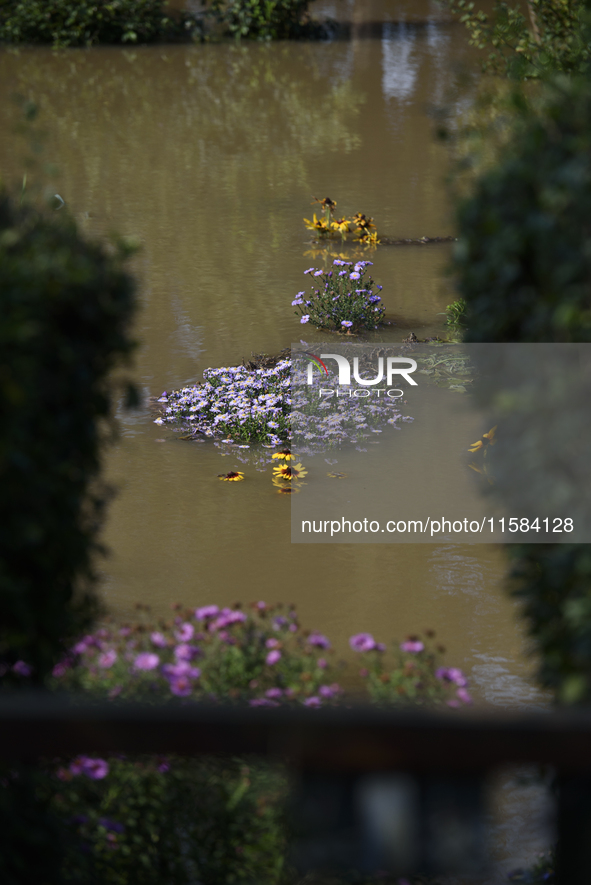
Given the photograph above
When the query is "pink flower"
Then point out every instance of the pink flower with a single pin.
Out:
(362, 642)
(146, 661)
(273, 657)
(322, 663)
(185, 632)
(453, 703)
(272, 643)
(329, 691)
(313, 702)
(82, 645)
(206, 611)
(159, 640)
(261, 606)
(60, 668)
(107, 659)
(293, 628)
(263, 702)
(274, 693)
(413, 646)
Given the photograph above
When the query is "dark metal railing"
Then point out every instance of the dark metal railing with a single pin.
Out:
(378, 788)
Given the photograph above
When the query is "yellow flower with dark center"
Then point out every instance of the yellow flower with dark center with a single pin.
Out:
(326, 203)
(319, 224)
(233, 476)
(337, 475)
(363, 222)
(340, 224)
(284, 455)
(285, 472)
(488, 439)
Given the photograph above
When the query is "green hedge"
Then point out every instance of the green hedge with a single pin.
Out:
(87, 22)
(65, 309)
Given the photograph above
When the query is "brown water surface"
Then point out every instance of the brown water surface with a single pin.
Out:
(211, 155)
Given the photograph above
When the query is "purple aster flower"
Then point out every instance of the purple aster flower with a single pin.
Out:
(452, 674)
(317, 273)
(310, 270)
(182, 668)
(159, 640)
(181, 686)
(185, 652)
(326, 691)
(273, 657)
(296, 302)
(379, 288)
(373, 299)
(305, 318)
(83, 645)
(206, 611)
(293, 628)
(362, 642)
(185, 632)
(464, 696)
(146, 661)
(271, 643)
(279, 622)
(163, 767)
(342, 273)
(355, 275)
(22, 669)
(60, 668)
(346, 323)
(96, 769)
(263, 702)
(107, 659)
(318, 640)
(412, 645)
(313, 702)
(274, 693)
(338, 263)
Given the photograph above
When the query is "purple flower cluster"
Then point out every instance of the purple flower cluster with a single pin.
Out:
(95, 769)
(335, 301)
(260, 655)
(235, 403)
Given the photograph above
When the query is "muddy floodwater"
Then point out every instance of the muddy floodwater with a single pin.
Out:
(211, 155)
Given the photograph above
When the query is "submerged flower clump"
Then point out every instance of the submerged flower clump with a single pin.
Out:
(342, 299)
(235, 403)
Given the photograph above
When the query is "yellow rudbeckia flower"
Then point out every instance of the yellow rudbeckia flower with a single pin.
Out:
(233, 476)
(284, 454)
(285, 472)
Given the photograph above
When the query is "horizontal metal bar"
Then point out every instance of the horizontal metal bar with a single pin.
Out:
(353, 739)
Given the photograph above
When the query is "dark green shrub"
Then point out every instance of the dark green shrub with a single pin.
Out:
(87, 22)
(524, 270)
(524, 256)
(262, 19)
(65, 309)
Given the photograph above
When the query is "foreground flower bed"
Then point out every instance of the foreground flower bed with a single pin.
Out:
(153, 819)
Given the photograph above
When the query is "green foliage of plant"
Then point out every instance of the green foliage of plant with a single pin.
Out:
(524, 269)
(547, 36)
(65, 310)
(523, 256)
(88, 22)
(263, 19)
(174, 820)
(455, 312)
